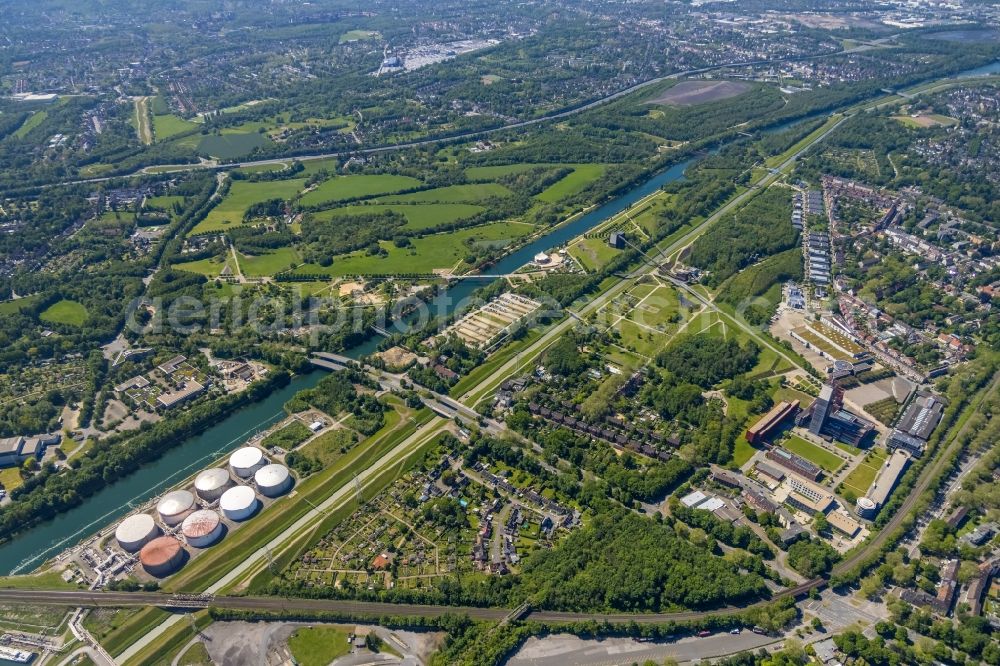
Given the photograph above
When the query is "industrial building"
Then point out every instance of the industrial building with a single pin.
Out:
(795, 463)
(767, 423)
(162, 556)
(238, 503)
(189, 391)
(844, 524)
(15, 450)
(136, 531)
(246, 461)
(827, 417)
(175, 506)
(212, 483)
(202, 528)
(273, 480)
(917, 424)
(883, 485)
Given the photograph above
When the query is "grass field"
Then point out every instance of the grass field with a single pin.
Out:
(428, 253)
(318, 646)
(593, 253)
(243, 194)
(418, 216)
(33, 121)
(330, 446)
(470, 193)
(494, 172)
(288, 437)
(269, 264)
(164, 203)
(343, 188)
(15, 306)
(167, 126)
(582, 176)
(10, 478)
(66, 312)
(641, 340)
(196, 655)
(861, 477)
(816, 454)
(658, 308)
(211, 267)
(228, 146)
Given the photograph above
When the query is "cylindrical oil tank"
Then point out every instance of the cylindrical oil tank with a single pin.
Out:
(238, 503)
(162, 556)
(202, 528)
(136, 531)
(246, 461)
(273, 480)
(175, 506)
(211, 483)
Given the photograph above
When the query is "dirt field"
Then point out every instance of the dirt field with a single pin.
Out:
(690, 93)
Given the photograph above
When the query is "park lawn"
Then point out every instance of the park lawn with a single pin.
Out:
(657, 309)
(66, 312)
(166, 126)
(269, 264)
(861, 477)
(343, 188)
(231, 145)
(471, 193)
(243, 194)
(318, 646)
(639, 339)
(418, 216)
(816, 454)
(30, 123)
(582, 176)
(593, 253)
(211, 267)
(742, 451)
(443, 251)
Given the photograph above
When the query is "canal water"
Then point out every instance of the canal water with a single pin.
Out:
(33, 547)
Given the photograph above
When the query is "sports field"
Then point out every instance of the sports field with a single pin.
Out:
(418, 216)
(66, 312)
(243, 194)
(816, 454)
(343, 188)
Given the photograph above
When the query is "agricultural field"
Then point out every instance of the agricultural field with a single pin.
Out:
(418, 216)
(430, 253)
(469, 193)
(66, 312)
(861, 477)
(582, 176)
(345, 188)
(243, 194)
(830, 462)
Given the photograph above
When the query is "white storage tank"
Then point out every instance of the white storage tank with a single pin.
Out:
(211, 483)
(202, 528)
(162, 556)
(246, 461)
(273, 480)
(238, 503)
(175, 506)
(136, 531)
